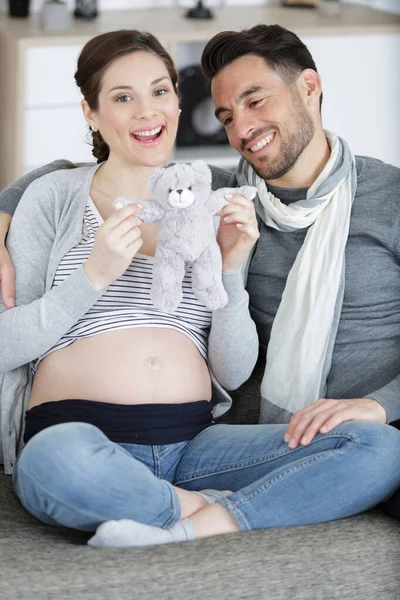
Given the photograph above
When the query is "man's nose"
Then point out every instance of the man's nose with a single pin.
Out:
(244, 126)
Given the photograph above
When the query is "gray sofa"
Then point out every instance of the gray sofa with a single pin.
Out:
(357, 558)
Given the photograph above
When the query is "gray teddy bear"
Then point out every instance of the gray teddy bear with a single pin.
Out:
(184, 207)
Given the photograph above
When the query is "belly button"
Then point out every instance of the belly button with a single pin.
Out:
(154, 363)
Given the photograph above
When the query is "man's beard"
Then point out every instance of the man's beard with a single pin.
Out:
(300, 132)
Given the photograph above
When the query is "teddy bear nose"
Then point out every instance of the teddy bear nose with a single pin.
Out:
(179, 191)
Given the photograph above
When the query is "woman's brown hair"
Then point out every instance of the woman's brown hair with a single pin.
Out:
(99, 53)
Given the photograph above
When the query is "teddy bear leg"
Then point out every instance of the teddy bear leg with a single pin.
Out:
(168, 274)
(206, 278)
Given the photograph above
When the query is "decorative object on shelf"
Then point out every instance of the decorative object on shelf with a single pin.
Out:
(18, 8)
(85, 9)
(302, 3)
(198, 125)
(329, 8)
(56, 15)
(199, 12)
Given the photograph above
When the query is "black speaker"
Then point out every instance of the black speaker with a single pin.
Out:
(198, 125)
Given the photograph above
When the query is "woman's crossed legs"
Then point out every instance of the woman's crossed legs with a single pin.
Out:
(73, 475)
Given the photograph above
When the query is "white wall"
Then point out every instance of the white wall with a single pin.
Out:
(388, 5)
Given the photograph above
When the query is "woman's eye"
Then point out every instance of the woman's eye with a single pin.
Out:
(124, 98)
(160, 92)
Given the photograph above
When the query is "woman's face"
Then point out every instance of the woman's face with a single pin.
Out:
(138, 110)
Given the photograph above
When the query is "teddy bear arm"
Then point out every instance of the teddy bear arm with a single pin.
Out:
(216, 200)
(151, 211)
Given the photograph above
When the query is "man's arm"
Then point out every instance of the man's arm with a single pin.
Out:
(11, 195)
(9, 198)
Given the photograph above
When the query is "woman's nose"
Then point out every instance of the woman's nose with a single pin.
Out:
(145, 110)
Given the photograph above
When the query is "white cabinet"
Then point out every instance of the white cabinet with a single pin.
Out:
(49, 76)
(55, 132)
(54, 126)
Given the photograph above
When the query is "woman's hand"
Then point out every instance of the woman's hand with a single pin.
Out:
(116, 243)
(237, 232)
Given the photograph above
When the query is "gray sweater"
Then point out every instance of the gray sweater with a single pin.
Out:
(46, 225)
(366, 356)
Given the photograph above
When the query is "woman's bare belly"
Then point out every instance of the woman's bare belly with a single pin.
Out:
(128, 366)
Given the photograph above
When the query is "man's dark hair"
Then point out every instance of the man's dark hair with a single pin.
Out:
(281, 49)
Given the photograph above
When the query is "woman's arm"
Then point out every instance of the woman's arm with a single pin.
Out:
(41, 317)
(11, 195)
(233, 341)
(9, 198)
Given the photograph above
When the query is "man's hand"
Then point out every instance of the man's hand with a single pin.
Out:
(7, 278)
(237, 232)
(7, 273)
(325, 414)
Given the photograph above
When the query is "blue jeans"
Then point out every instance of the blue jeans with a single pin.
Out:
(73, 475)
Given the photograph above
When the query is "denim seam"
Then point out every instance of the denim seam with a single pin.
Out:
(157, 461)
(293, 469)
(236, 512)
(176, 511)
(186, 477)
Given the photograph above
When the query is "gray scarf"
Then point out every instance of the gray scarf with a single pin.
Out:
(303, 334)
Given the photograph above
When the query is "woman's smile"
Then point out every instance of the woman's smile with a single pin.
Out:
(149, 137)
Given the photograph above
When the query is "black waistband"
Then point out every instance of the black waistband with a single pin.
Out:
(156, 424)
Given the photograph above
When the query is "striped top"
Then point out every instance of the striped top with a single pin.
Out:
(126, 302)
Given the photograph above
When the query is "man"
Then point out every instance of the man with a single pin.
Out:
(325, 272)
(332, 290)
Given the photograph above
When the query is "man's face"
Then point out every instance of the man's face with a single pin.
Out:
(265, 119)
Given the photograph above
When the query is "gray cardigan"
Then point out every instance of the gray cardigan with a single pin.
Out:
(46, 225)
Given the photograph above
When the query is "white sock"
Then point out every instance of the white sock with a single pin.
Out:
(211, 496)
(126, 533)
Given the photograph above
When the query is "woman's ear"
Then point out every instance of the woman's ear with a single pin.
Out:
(89, 115)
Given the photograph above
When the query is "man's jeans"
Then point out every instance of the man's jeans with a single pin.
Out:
(73, 475)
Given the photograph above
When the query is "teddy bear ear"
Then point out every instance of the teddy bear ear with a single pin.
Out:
(202, 167)
(154, 177)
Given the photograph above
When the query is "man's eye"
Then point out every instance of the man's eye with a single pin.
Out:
(124, 98)
(160, 92)
(254, 103)
(228, 121)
